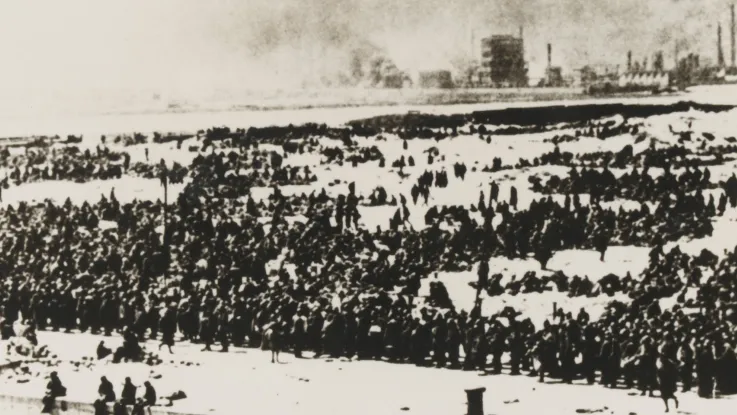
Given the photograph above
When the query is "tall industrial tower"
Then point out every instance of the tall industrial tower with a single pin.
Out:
(720, 52)
(732, 33)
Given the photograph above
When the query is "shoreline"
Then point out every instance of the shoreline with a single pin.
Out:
(298, 386)
(392, 98)
(191, 121)
(327, 99)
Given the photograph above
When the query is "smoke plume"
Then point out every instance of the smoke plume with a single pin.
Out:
(200, 46)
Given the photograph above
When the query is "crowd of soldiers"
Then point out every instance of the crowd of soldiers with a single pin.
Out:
(232, 272)
(69, 162)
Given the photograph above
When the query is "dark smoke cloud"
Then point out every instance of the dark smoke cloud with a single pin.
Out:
(423, 34)
(189, 45)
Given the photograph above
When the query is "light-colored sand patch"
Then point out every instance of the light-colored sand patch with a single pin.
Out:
(539, 306)
(126, 190)
(243, 380)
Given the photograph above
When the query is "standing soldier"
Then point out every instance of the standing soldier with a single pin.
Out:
(589, 355)
(498, 343)
(223, 329)
(108, 313)
(168, 327)
(546, 354)
(517, 348)
(647, 370)
(610, 360)
(440, 337)
(686, 357)
(206, 335)
(494, 194)
(299, 334)
(567, 357)
(705, 369)
(454, 342)
(667, 374)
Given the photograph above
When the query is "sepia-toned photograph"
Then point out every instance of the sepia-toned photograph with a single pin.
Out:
(368, 207)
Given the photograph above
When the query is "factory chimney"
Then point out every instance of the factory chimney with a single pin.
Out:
(522, 41)
(732, 32)
(720, 52)
(550, 55)
(675, 55)
(629, 61)
(473, 44)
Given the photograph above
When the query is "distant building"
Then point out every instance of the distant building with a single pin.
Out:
(471, 76)
(394, 81)
(730, 75)
(689, 71)
(553, 74)
(503, 57)
(383, 73)
(596, 74)
(656, 80)
(554, 77)
(436, 79)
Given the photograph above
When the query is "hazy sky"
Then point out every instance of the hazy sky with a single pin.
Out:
(201, 45)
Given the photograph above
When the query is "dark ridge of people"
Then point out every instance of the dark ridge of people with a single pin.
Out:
(601, 131)
(157, 138)
(437, 126)
(674, 157)
(497, 165)
(235, 173)
(634, 185)
(176, 173)
(354, 156)
(128, 140)
(73, 164)
(379, 197)
(575, 286)
(63, 163)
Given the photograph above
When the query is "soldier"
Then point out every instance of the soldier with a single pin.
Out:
(106, 390)
(206, 333)
(686, 357)
(646, 369)
(299, 334)
(454, 342)
(705, 362)
(498, 343)
(513, 197)
(667, 374)
(168, 326)
(517, 348)
(440, 338)
(223, 329)
(128, 397)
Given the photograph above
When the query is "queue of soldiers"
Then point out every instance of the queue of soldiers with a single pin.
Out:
(632, 185)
